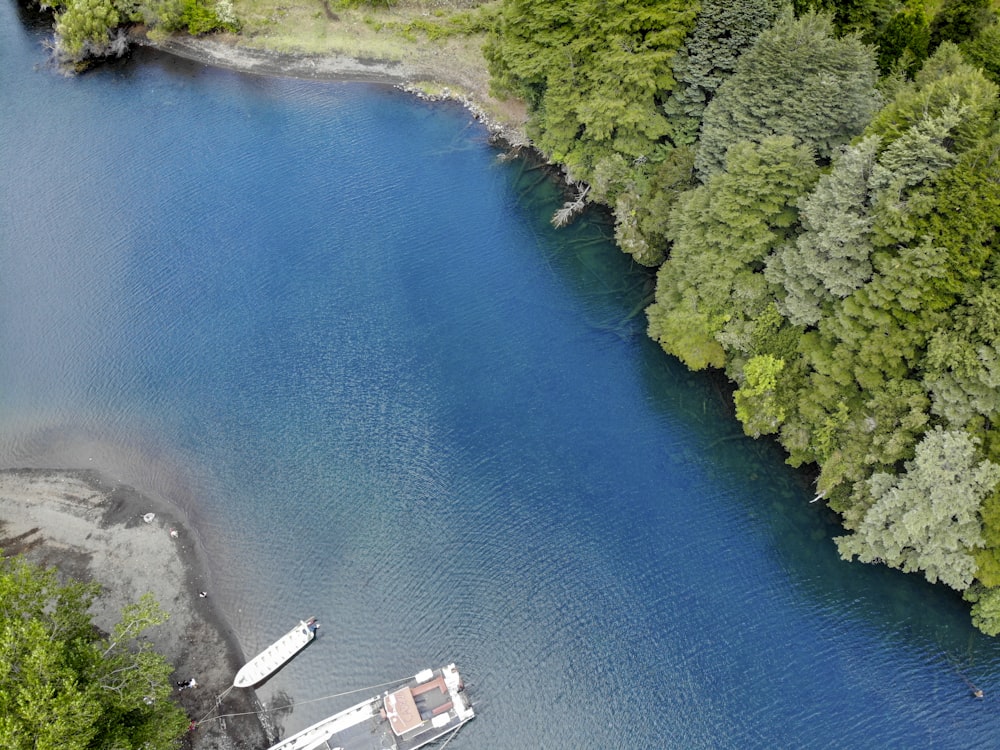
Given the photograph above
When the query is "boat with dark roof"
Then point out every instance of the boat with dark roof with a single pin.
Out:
(426, 708)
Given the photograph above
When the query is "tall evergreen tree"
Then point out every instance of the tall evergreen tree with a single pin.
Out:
(831, 258)
(945, 81)
(930, 237)
(984, 51)
(904, 39)
(723, 31)
(927, 519)
(962, 365)
(722, 231)
(594, 73)
(797, 80)
(959, 20)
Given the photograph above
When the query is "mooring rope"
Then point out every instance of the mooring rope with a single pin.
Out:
(218, 701)
(457, 730)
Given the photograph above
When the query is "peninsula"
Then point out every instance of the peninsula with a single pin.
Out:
(92, 528)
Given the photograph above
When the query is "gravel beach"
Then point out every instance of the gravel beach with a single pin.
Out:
(92, 529)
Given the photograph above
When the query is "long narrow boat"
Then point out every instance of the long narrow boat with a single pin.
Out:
(424, 709)
(266, 663)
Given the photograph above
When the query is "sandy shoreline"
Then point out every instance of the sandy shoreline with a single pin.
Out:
(506, 123)
(92, 529)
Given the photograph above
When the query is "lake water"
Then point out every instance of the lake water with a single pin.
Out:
(329, 323)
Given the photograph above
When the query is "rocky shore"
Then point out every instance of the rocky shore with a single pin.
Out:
(93, 529)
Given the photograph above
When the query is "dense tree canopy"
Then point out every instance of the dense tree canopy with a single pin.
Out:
(723, 31)
(928, 518)
(839, 259)
(722, 232)
(831, 257)
(798, 80)
(595, 72)
(64, 685)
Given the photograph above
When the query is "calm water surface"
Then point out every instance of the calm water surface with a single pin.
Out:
(332, 326)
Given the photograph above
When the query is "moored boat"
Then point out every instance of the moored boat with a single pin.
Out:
(426, 708)
(267, 662)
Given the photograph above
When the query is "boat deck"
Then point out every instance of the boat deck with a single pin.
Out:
(376, 734)
(424, 710)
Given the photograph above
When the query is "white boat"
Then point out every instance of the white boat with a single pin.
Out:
(267, 662)
(424, 709)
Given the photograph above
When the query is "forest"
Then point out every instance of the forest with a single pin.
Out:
(817, 185)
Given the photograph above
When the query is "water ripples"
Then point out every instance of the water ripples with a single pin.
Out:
(323, 321)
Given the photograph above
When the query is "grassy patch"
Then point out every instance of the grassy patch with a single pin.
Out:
(439, 40)
(400, 33)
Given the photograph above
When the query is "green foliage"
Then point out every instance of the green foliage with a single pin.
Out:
(711, 289)
(757, 405)
(906, 37)
(84, 27)
(723, 31)
(945, 82)
(831, 258)
(643, 195)
(797, 80)
(959, 20)
(962, 365)
(988, 558)
(63, 685)
(87, 28)
(593, 72)
(849, 16)
(199, 18)
(855, 311)
(984, 51)
(920, 228)
(927, 519)
(985, 608)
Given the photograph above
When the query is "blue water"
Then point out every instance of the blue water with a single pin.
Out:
(333, 327)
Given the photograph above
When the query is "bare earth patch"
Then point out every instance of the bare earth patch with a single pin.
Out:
(317, 41)
(92, 529)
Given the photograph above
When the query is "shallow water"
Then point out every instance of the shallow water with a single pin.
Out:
(332, 326)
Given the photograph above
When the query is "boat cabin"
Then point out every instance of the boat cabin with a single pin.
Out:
(410, 708)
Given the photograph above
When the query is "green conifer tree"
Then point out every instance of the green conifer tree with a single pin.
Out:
(723, 31)
(927, 519)
(711, 289)
(797, 80)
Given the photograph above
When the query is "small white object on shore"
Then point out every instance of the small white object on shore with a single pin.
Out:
(148, 518)
(173, 533)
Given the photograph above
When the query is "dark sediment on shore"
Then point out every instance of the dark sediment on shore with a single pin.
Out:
(92, 529)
